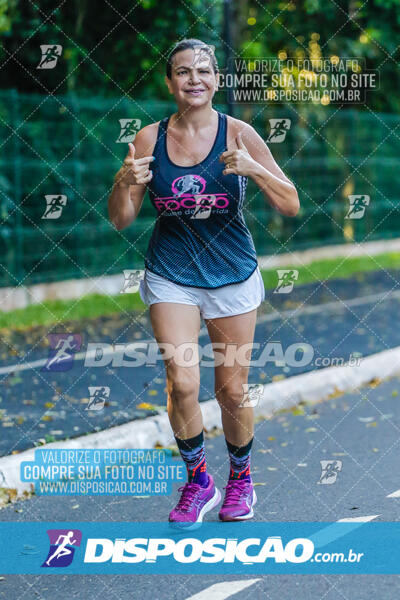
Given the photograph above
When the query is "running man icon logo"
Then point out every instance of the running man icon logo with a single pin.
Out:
(329, 471)
(252, 395)
(98, 396)
(54, 206)
(286, 277)
(63, 347)
(203, 207)
(129, 129)
(357, 206)
(279, 129)
(202, 55)
(63, 543)
(50, 54)
(132, 281)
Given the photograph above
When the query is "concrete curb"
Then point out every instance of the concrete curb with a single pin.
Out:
(309, 387)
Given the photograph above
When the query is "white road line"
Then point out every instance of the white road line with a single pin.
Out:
(223, 590)
(331, 533)
(395, 494)
(274, 316)
(358, 519)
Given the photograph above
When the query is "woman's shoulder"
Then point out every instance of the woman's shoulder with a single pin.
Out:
(236, 126)
(146, 138)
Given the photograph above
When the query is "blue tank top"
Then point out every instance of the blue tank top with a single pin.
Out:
(200, 237)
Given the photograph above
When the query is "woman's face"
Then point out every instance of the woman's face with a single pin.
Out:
(193, 81)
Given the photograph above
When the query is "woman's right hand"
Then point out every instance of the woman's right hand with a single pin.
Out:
(134, 171)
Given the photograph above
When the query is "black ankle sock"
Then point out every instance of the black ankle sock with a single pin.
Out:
(239, 457)
(193, 454)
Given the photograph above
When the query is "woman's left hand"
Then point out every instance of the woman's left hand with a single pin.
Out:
(238, 162)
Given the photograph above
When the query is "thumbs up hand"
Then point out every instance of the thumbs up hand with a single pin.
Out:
(239, 161)
(134, 171)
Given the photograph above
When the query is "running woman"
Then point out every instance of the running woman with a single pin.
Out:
(201, 261)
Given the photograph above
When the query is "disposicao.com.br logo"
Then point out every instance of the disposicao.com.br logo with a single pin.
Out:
(191, 550)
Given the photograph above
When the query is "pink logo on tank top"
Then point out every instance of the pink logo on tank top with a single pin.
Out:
(188, 185)
(188, 194)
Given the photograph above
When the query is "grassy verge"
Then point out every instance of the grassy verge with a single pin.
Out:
(336, 268)
(96, 305)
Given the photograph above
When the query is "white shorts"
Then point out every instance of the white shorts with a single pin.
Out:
(229, 300)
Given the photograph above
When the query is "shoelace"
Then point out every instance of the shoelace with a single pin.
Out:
(189, 493)
(234, 492)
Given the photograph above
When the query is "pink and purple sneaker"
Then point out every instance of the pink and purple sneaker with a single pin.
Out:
(240, 498)
(194, 503)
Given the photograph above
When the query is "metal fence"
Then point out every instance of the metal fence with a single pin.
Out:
(64, 145)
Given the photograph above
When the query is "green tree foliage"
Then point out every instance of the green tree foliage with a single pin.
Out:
(121, 47)
(343, 28)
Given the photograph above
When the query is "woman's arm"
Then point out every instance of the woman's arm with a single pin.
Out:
(127, 194)
(253, 158)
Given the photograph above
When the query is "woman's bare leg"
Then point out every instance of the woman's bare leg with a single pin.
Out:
(177, 324)
(237, 421)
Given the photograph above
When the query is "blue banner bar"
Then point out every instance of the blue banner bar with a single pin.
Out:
(229, 548)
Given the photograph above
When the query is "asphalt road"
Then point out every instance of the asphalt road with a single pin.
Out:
(360, 429)
(336, 319)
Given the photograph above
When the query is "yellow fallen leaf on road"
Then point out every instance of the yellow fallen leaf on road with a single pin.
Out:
(278, 377)
(373, 424)
(375, 381)
(146, 406)
(311, 429)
